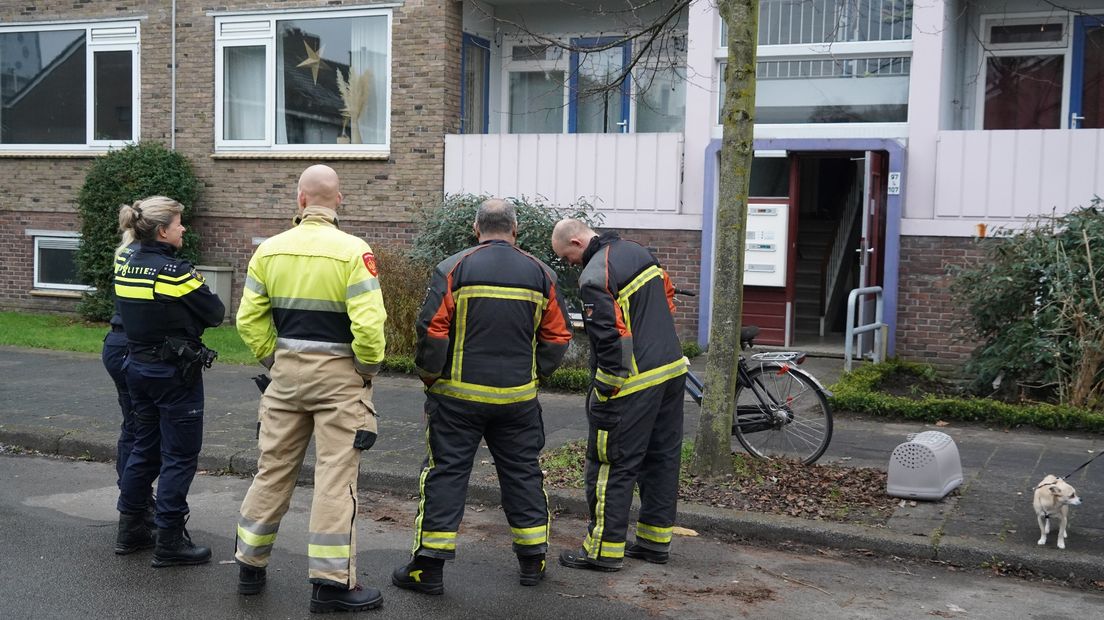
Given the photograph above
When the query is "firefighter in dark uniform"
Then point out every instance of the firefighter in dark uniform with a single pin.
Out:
(491, 324)
(635, 413)
(165, 307)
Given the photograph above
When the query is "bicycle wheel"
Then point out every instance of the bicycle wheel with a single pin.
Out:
(795, 422)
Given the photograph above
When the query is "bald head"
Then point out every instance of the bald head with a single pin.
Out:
(570, 239)
(318, 186)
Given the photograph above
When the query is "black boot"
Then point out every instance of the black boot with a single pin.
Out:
(251, 579)
(325, 599)
(423, 574)
(531, 569)
(175, 548)
(133, 534)
(646, 554)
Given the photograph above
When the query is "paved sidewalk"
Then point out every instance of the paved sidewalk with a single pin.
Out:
(64, 403)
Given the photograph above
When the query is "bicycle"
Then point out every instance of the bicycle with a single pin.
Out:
(781, 411)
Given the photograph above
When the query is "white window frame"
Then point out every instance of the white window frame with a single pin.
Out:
(64, 238)
(100, 36)
(563, 63)
(259, 29)
(1063, 48)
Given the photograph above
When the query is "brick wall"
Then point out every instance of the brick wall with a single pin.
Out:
(926, 312)
(679, 251)
(240, 199)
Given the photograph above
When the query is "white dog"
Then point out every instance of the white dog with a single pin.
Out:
(1053, 497)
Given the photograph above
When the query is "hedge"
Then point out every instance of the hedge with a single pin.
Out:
(857, 391)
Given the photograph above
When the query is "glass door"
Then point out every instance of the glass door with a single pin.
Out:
(1087, 73)
(599, 103)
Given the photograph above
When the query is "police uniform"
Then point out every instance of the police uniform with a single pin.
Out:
(635, 417)
(491, 324)
(162, 297)
(312, 309)
(113, 355)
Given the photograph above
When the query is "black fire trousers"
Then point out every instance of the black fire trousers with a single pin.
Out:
(633, 440)
(515, 436)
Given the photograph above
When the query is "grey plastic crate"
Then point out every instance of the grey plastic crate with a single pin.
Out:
(926, 466)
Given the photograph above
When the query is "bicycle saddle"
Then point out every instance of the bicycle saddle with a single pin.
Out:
(747, 335)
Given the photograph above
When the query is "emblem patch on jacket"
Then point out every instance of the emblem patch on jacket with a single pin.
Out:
(370, 263)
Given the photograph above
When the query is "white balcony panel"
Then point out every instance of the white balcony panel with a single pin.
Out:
(619, 173)
(1002, 178)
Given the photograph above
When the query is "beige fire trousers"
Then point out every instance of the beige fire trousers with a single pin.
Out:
(319, 394)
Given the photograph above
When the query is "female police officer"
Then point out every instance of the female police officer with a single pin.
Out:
(165, 307)
(113, 357)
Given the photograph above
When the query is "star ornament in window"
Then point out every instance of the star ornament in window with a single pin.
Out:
(314, 60)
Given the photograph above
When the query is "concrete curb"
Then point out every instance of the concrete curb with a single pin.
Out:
(760, 528)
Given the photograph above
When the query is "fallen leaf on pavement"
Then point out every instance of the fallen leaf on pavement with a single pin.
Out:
(682, 531)
(942, 423)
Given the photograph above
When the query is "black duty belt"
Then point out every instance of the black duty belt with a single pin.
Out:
(146, 356)
(117, 328)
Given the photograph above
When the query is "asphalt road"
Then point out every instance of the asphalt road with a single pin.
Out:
(57, 524)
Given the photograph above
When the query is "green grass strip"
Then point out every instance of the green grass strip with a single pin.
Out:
(66, 333)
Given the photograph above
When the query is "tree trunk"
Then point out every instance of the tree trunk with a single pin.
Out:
(712, 447)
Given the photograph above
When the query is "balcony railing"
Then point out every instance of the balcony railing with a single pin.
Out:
(1013, 175)
(618, 173)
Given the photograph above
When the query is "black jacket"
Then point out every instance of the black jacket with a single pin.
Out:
(161, 296)
(628, 310)
(491, 323)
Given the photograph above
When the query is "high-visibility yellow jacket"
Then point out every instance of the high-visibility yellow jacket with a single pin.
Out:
(314, 289)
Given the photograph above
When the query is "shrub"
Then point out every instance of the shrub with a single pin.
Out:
(1037, 304)
(121, 177)
(448, 229)
(691, 349)
(858, 391)
(404, 282)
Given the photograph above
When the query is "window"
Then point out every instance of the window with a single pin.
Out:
(550, 90)
(68, 86)
(310, 81)
(828, 61)
(55, 261)
(536, 90)
(1024, 65)
(475, 68)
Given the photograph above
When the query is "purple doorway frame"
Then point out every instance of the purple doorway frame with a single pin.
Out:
(894, 202)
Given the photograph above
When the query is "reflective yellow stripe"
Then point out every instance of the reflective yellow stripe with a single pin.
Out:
(601, 440)
(637, 282)
(530, 535)
(595, 537)
(133, 292)
(660, 535)
(439, 540)
(177, 290)
(613, 549)
(461, 332)
(501, 292)
(255, 540)
(328, 551)
(173, 279)
(655, 376)
(483, 393)
(421, 493)
(609, 379)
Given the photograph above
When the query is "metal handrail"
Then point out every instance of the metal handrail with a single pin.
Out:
(878, 326)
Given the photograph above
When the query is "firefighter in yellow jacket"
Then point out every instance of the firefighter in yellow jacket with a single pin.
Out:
(312, 312)
(492, 322)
